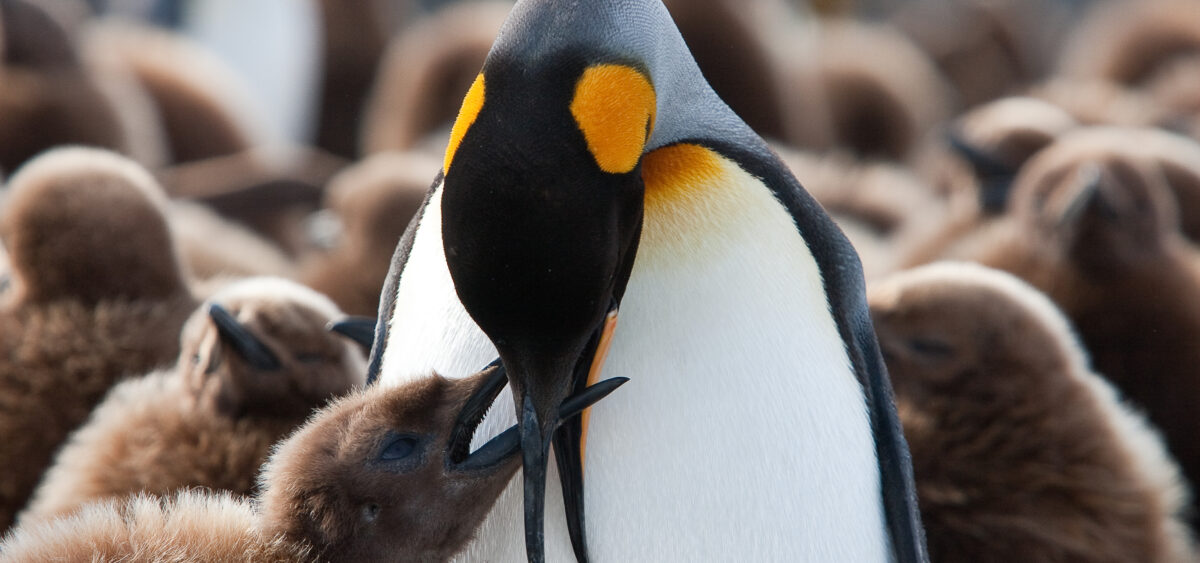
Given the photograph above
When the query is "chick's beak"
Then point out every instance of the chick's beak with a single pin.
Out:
(244, 342)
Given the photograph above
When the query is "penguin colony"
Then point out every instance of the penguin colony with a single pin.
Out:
(734, 204)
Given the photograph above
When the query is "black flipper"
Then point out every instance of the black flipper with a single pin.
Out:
(387, 296)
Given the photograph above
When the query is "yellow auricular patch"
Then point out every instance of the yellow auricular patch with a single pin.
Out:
(472, 103)
(614, 107)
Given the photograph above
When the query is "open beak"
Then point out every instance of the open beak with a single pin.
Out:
(508, 443)
(360, 330)
(242, 340)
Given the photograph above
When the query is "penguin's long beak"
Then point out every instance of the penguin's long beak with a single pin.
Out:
(541, 421)
(257, 354)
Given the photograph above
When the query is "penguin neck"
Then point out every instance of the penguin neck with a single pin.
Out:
(689, 202)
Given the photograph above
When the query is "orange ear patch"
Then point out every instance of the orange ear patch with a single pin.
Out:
(472, 103)
(614, 106)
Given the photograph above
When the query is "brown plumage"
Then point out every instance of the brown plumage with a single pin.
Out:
(97, 295)
(201, 104)
(215, 247)
(354, 37)
(881, 93)
(974, 164)
(1129, 43)
(270, 191)
(372, 202)
(211, 420)
(985, 48)
(46, 97)
(1092, 223)
(1020, 452)
(373, 477)
(425, 73)
(1101, 102)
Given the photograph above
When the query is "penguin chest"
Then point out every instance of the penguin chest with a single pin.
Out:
(743, 429)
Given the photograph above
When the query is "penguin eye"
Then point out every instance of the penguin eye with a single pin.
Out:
(398, 448)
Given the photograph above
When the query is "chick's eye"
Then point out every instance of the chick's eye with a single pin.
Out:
(398, 448)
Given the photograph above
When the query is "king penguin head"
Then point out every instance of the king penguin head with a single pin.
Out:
(542, 198)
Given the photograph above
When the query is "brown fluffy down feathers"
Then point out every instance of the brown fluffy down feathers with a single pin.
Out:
(373, 201)
(1020, 452)
(192, 526)
(147, 436)
(210, 421)
(98, 297)
(60, 361)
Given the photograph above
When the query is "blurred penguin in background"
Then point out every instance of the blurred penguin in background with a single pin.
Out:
(1093, 223)
(367, 208)
(256, 361)
(425, 73)
(1021, 453)
(98, 294)
(50, 95)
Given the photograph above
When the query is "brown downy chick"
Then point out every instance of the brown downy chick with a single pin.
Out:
(1129, 43)
(1020, 452)
(974, 163)
(381, 475)
(214, 247)
(87, 225)
(256, 361)
(97, 295)
(204, 109)
(425, 73)
(370, 204)
(47, 96)
(986, 48)
(1094, 225)
(882, 94)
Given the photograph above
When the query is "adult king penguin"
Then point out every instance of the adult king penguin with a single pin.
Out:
(759, 421)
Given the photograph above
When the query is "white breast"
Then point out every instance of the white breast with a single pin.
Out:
(742, 434)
